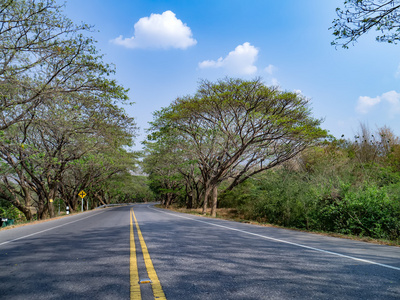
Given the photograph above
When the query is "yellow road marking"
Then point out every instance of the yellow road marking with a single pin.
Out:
(133, 268)
(151, 272)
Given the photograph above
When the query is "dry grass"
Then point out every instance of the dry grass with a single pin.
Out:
(232, 214)
(38, 221)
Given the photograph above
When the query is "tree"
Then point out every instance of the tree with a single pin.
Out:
(165, 163)
(58, 106)
(238, 128)
(41, 53)
(65, 131)
(360, 16)
(169, 163)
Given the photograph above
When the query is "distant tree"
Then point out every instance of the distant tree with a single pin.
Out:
(127, 188)
(166, 164)
(360, 16)
(388, 140)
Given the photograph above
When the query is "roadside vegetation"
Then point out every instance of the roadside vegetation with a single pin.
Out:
(62, 129)
(235, 144)
(258, 151)
(342, 186)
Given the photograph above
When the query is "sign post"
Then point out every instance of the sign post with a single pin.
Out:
(82, 194)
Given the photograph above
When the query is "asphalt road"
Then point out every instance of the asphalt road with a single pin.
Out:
(89, 256)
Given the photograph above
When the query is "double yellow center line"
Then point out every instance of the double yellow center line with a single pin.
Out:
(134, 273)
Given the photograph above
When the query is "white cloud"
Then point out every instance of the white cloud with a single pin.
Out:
(159, 31)
(270, 69)
(365, 103)
(299, 92)
(275, 82)
(239, 61)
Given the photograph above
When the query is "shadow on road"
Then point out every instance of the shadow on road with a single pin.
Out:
(91, 263)
(212, 263)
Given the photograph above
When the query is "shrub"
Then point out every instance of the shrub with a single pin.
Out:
(7, 210)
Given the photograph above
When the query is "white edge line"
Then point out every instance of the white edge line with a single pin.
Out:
(283, 241)
(23, 237)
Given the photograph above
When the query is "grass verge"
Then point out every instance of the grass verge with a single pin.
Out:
(25, 223)
(232, 214)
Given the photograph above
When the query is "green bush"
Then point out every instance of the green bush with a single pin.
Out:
(278, 197)
(296, 199)
(365, 212)
(238, 197)
(7, 210)
(340, 186)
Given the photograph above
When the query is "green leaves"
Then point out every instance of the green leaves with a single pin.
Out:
(59, 106)
(359, 16)
(231, 126)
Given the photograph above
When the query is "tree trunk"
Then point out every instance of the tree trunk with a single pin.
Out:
(22, 208)
(72, 204)
(52, 195)
(207, 191)
(169, 200)
(189, 202)
(12, 197)
(100, 198)
(40, 210)
(199, 194)
(214, 201)
(51, 209)
(26, 211)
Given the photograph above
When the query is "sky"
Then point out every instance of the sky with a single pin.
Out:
(161, 49)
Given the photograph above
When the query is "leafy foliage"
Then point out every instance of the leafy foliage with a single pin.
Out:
(328, 188)
(235, 128)
(62, 127)
(358, 17)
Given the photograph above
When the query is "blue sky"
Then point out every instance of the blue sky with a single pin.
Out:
(161, 49)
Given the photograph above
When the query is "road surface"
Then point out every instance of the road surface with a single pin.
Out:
(103, 254)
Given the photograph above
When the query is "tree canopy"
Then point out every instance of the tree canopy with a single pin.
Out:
(234, 128)
(61, 125)
(358, 17)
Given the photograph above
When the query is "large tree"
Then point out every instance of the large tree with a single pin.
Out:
(236, 128)
(64, 132)
(360, 16)
(58, 107)
(43, 52)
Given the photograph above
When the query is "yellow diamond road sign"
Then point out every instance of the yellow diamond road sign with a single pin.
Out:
(82, 194)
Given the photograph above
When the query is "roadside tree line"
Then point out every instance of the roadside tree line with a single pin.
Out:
(257, 151)
(61, 127)
(228, 131)
(349, 186)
